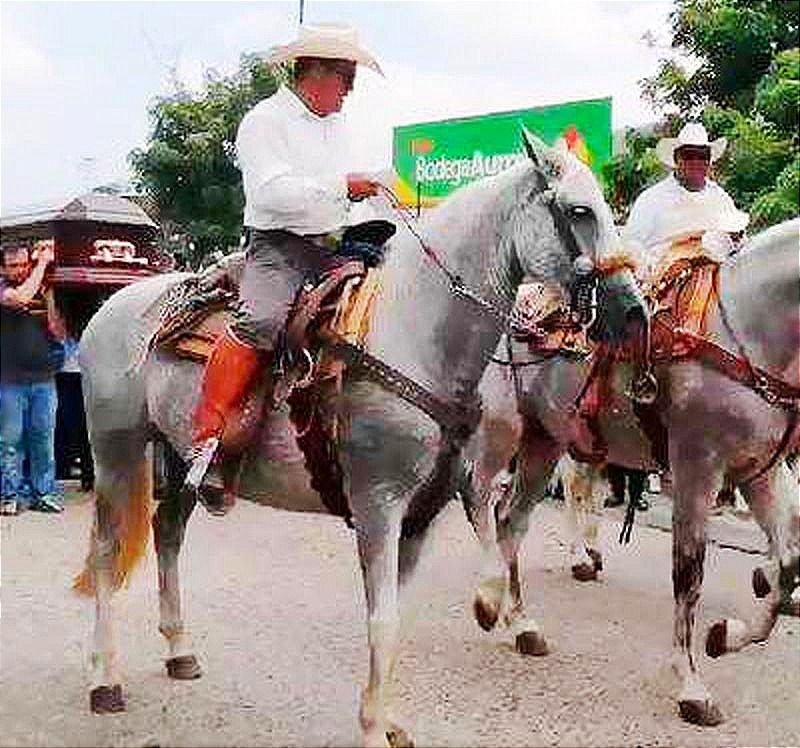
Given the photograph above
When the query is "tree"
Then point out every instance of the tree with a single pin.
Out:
(778, 92)
(734, 43)
(746, 87)
(188, 166)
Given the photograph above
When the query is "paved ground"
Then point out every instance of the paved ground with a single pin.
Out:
(275, 604)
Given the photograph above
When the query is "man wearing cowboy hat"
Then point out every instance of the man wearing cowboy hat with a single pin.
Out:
(684, 206)
(685, 215)
(293, 150)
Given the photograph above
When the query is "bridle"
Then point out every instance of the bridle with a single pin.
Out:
(583, 310)
(583, 292)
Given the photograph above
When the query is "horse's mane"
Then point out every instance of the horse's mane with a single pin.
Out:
(473, 215)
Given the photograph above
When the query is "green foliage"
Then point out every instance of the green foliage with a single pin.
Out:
(188, 166)
(756, 156)
(672, 87)
(734, 42)
(778, 92)
(745, 84)
(780, 203)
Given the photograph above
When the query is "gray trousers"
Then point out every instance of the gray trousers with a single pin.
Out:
(277, 264)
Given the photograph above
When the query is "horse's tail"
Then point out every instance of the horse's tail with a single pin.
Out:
(122, 516)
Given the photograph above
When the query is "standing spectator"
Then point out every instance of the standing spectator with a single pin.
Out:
(31, 331)
(71, 436)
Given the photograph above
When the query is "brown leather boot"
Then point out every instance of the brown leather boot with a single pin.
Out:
(229, 374)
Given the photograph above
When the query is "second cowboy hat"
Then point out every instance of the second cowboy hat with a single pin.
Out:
(692, 133)
(326, 40)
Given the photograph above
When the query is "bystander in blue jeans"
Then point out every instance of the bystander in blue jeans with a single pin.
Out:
(27, 423)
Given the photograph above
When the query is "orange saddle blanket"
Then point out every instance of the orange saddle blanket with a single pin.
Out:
(680, 302)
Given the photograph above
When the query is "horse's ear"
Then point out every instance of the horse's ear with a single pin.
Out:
(535, 147)
(549, 160)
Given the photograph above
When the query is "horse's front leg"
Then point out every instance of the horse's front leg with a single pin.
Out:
(169, 528)
(695, 480)
(582, 513)
(492, 593)
(378, 532)
(773, 500)
(537, 458)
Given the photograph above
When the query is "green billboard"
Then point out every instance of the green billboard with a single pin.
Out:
(434, 158)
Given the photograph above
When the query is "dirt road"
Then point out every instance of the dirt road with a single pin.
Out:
(274, 601)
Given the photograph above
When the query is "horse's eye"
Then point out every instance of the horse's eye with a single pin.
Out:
(579, 211)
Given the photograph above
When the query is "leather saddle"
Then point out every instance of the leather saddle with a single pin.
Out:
(340, 301)
(680, 300)
(191, 330)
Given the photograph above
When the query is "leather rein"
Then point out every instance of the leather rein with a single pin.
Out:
(458, 418)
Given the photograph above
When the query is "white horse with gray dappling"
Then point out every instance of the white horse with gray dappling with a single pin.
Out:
(544, 218)
(717, 423)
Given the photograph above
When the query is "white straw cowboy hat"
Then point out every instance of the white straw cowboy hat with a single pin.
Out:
(331, 41)
(692, 133)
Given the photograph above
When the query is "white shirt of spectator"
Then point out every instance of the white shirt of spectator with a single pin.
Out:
(667, 211)
(294, 166)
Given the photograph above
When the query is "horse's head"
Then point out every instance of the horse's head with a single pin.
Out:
(563, 231)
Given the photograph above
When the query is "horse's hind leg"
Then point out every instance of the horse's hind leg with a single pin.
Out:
(169, 527)
(119, 536)
(773, 500)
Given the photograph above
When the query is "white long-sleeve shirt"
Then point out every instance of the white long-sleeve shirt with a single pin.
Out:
(294, 166)
(667, 211)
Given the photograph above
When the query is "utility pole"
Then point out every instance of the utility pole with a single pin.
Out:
(302, 6)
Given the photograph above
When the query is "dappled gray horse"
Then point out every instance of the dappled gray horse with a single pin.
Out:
(717, 424)
(401, 462)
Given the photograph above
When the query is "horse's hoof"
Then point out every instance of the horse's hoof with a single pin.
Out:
(397, 737)
(716, 641)
(531, 643)
(184, 667)
(584, 572)
(486, 615)
(700, 712)
(107, 699)
(597, 559)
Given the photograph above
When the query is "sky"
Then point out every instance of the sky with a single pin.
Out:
(77, 78)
